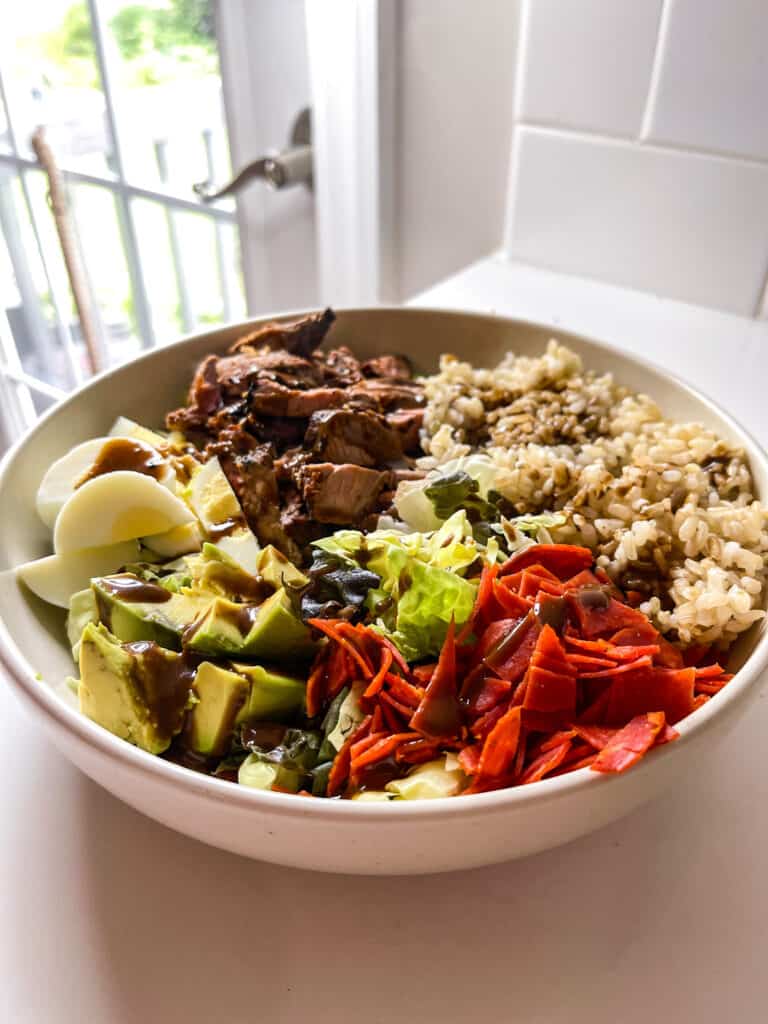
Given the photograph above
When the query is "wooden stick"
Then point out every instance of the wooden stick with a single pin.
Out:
(57, 198)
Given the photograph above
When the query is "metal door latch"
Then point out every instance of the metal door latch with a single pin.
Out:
(292, 166)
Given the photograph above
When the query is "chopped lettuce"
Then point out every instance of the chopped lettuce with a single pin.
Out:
(422, 579)
(522, 531)
(414, 505)
(430, 781)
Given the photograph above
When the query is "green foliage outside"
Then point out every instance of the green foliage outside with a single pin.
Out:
(158, 40)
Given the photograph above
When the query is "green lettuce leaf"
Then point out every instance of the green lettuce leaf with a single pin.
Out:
(422, 579)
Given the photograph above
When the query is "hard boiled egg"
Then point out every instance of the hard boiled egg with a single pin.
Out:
(181, 540)
(212, 498)
(57, 577)
(64, 476)
(114, 507)
(123, 427)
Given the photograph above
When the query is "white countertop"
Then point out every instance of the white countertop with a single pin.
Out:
(107, 917)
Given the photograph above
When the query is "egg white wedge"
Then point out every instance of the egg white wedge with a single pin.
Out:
(56, 578)
(61, 479)
(211, 496)
(181, 540)
(123, 427)
(114, 507)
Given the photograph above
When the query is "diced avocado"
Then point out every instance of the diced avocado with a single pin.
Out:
(270, 630)
(139, 692)
(221, 696)
(275, 568)
(273, 696)
(222, 576)
(82, 610)
(277, 633)
(428, 781)
(162, 619)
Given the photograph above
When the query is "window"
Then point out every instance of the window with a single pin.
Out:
(130, 97)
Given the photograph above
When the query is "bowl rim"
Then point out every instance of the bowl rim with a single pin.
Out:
(58, 714)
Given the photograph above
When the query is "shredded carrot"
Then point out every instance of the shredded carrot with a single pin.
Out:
(629, 666)
(518, 700)
(383, 747)
(378, 680)
(341, 763)
(328, 626)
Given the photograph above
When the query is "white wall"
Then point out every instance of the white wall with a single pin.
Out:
(640, 146)
(454, 72)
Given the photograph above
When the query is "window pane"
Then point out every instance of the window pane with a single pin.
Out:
(26, 294)
(164, 70)
(41, 402)
(155, 231)
(5, 139)
(37, 188)
(51, 78)
(197, 237)
(232, 267)
(101, 242)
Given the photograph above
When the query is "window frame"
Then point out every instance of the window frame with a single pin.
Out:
(18, 387)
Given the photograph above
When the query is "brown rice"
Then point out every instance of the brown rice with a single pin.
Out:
(668, 508)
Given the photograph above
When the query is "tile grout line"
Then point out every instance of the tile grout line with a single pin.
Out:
(761, 306)
(653, 82)
(514, 155)
(660, 146)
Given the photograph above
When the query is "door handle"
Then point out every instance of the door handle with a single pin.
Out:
(292, 166)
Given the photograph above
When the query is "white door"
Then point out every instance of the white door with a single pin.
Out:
(140, 102)
(266, 86)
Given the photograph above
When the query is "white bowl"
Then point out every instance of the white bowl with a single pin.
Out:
(330, 835)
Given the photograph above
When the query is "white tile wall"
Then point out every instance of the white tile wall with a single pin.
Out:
(640, 146)
(586, 63)
(677, 223)
(712, 88)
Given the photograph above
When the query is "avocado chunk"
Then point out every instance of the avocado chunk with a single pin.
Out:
(138, 691)
(221, 696)
(273, 696)
(270, 630)
(82, 610)
(274, 568)
(135, 609)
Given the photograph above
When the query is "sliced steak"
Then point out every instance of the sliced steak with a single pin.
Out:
(203, 400)
(343, 435)
(299, 526)
(408, 424)
(389, 394)
(341, 495)
(300, 337)
(392, 367)
(237, 372)
(340, 366)
(272, 399)
(253, 478)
